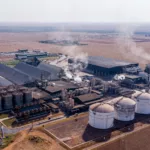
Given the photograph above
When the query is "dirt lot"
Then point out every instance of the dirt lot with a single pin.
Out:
(98, 44)
(33, 140)
(79, 131)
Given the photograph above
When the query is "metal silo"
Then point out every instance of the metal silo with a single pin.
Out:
(142, 102)
(18, 98)
(101, 116)
(27, 96)
(7, 101)
(124, 109)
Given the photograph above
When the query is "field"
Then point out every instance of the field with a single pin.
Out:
(98, 44)
(33, 140)
(77, 132)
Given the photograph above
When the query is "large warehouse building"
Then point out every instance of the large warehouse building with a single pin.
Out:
(53, 70)
(15, 76)
(32, 71)
(101, 66)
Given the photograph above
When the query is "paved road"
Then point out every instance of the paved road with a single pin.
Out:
(38, 124)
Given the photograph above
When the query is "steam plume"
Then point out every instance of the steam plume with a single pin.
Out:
(128, 46)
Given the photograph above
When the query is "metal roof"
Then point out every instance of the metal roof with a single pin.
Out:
(32, 71)
(14, 75)
(52, 69)
(88, 97)
(59, 86)
(102, 108)
(107, 62)
(4, 82)
(125, 102)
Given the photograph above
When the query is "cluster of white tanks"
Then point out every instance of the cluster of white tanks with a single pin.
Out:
(10, 97)
(102, 115)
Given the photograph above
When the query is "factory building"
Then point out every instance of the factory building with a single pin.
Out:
(142, 102)
(56, 89)
(101, 116)
(88, 99)
(52, 69)
(4, 82)
(101, 66)
(15, 76)
(124, 109)
(32, 71)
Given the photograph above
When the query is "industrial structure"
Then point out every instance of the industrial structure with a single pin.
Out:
(124, 109)
(101, 116)
(101, 66)
(142, 100)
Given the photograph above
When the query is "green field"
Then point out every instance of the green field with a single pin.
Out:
(3, 116)
(7, 140)
(11, 63)
(9, 122)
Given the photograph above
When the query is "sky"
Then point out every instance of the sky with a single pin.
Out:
(75, 11)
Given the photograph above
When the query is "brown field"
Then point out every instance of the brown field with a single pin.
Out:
(98, 44)
(79, 132)
(22, 142)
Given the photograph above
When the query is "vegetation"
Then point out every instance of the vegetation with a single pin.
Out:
(48, 58)
(7, 140)
(3, 116)
(10, 63)
(35, 139)
(9, 122)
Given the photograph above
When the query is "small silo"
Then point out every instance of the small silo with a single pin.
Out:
(17, 99)
(27, 96)
(142, 102)
(7, 101)
(101, 116)
(124, 109)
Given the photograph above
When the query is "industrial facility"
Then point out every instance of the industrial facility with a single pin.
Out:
(101, 66)
(34, 89)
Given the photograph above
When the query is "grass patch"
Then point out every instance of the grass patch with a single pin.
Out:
(7, 140)
(48, 58)
(11, 63)
(9, 122)
(3, 116)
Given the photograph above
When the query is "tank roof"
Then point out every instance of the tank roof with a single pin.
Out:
(101, 108)
(124, 101)
(142, 95)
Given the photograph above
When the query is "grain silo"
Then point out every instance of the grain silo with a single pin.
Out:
(101, 116)
(124, 109)
(7, 101)
(142, 102)
(18, 99)
(27, 95)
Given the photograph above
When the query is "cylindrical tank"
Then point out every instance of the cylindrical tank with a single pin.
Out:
(0, 103)
(142, 102)
(18, 98)
(124, 109)
(27, 96)
(11, 90)
(7, 101)
(3, 92)
(101, 116)
(22, 88)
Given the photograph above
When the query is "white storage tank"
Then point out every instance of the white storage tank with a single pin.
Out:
(124, 109)
(101, 116)
(142, 102)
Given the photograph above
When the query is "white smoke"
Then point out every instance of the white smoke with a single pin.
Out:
(77, 79)
(128, 47)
